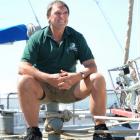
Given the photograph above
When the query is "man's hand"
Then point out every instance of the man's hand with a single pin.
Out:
(67, 80)
(55, 79)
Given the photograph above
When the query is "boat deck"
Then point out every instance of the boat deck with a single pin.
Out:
(20, 137)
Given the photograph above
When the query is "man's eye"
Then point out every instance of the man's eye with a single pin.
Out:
(58, 13)
(65, 13)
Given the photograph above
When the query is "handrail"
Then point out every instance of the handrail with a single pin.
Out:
(8, 97)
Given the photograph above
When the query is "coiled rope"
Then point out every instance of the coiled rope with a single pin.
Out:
(66, 115)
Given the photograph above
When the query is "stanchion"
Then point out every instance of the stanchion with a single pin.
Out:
(55, 123)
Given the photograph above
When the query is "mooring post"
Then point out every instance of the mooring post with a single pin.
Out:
(55, 124)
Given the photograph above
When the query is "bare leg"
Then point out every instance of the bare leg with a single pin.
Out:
(98, 98)
(29, 91)
(95, 86)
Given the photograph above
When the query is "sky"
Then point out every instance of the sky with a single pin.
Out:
(102, 22)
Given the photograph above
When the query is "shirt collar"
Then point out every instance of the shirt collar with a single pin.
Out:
(66, 33)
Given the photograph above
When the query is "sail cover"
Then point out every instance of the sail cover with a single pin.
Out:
(13, 33)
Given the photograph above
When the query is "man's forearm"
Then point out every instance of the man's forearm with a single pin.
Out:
(89, 68)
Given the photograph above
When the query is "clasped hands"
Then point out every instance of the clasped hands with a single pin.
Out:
(63, 80)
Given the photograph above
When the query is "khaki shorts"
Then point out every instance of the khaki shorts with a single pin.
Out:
(52, 94)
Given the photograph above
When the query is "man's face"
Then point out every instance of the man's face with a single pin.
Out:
(58, 17)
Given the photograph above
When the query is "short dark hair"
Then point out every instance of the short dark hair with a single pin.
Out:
(49, 8)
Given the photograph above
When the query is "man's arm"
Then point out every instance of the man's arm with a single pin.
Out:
(72, 78)
(90, 67)
(26, 68)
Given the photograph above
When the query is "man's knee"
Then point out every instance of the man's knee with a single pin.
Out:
(24, 81)
(97, 77)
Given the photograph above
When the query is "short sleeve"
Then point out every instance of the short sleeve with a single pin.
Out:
(84, 52)
(30, 52)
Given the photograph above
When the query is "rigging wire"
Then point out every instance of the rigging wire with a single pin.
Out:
(113, 32)
(36, 18)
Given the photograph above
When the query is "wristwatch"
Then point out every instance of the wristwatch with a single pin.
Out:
(82, 75)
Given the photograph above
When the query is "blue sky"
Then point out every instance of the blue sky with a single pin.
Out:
(86, 17)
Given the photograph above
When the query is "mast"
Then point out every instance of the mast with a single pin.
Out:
(127, 45)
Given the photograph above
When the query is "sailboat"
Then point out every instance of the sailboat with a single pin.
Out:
(124, 88)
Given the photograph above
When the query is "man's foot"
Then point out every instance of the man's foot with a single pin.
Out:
(33, 133)
(102, 136)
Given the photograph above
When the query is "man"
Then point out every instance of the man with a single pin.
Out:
(48, 72)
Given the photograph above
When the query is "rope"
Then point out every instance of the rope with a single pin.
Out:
(116, 124)
(54, 120)
(88, 133)
(80, 133)
(117, 118)
(77, 136)
(83, 133)
(31, 28)
(11, 136)
(66, 115)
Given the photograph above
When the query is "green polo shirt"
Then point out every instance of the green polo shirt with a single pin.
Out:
(44, 53)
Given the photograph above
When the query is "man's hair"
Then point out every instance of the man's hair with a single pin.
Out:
(49, 8)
